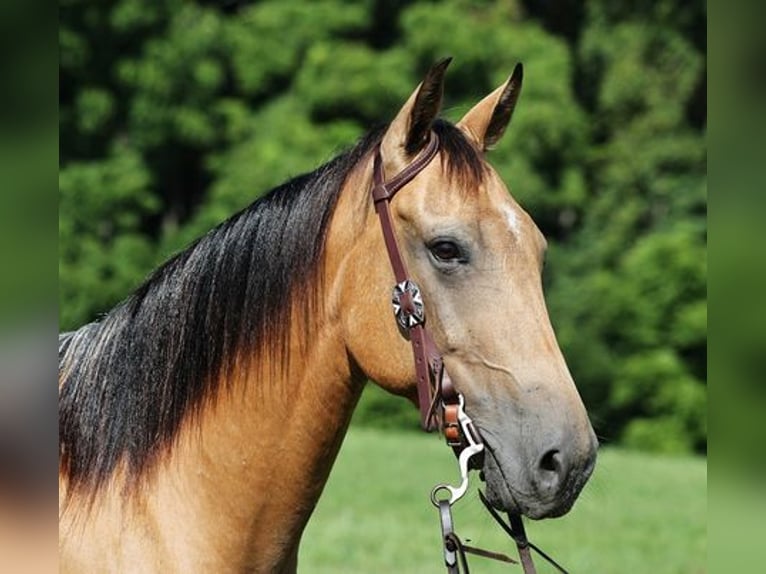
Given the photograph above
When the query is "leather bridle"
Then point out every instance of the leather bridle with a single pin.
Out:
(441, 405)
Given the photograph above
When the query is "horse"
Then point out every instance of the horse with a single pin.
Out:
(199, 419)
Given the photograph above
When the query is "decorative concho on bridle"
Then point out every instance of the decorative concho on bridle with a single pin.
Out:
(441, 406)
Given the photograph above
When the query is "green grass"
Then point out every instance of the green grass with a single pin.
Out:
(638, 513)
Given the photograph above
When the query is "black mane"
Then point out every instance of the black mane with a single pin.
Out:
(129, 380)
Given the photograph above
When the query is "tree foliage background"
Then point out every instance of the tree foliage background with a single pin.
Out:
(175, 114)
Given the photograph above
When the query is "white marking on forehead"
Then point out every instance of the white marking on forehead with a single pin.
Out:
(512, 217)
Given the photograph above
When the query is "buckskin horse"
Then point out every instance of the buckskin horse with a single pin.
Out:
(199, 419)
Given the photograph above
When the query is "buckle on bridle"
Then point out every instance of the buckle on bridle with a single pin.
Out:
(408, 304)
(471, 447)
(451, 425)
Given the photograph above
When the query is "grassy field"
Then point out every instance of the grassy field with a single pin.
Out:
(639, 513)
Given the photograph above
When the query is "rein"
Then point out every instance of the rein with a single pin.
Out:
(441, 405)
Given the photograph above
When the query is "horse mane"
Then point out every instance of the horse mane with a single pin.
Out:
(129, 380)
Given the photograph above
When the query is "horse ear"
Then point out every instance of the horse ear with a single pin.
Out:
(485, 123)
(410, 130)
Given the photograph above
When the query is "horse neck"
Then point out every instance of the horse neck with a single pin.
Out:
(236, 489)
(250, 470)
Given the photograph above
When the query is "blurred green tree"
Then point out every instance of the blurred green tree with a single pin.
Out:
(175, 114)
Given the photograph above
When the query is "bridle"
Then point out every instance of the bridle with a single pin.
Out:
(441, 405)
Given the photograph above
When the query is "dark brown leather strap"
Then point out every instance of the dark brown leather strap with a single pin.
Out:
(428, 363)
(499, 556)
(522, 544)
(515, 529)
(427, 388)
(385, 190)
(450, 546)
(455, 551)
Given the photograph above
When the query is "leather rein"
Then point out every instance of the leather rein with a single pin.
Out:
(441, 405)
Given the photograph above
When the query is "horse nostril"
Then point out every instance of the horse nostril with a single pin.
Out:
(551, 461)
(551, 471)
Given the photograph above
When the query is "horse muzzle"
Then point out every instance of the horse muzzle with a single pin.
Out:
(545, 485)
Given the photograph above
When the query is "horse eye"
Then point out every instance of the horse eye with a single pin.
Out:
(445, 250)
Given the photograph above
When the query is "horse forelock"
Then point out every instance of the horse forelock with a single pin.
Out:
(464, 163)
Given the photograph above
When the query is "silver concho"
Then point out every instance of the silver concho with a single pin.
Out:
(406, 319)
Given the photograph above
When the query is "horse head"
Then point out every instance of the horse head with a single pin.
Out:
(477, 257)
